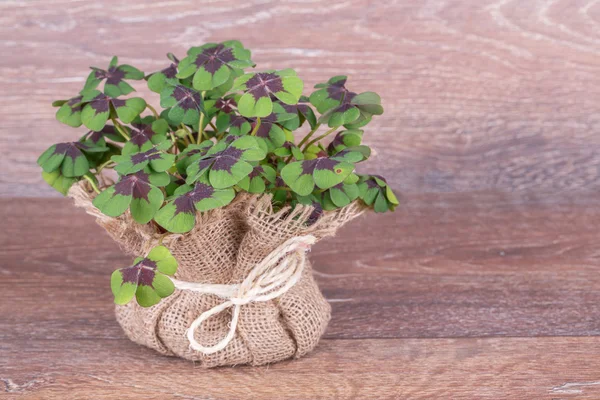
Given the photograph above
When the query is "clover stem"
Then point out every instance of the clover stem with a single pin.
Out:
(120, 129)
(320, 137)
(213, 126)
(256, 127)
(148, 106)
(201, 122)
(102, 166)
(184, 127)
(312, 132)
(92, 184)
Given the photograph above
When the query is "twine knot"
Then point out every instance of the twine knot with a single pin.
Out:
(269, 279)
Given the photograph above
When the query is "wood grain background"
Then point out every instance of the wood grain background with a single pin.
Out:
(478, 94)
(484, 284)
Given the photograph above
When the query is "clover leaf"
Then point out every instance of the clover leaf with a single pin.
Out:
(258, 88)
(146, 279)
(269, 129)
(289, 149)
(138, 192)
(374, 191)
(211, 64)
(343, 139)
(330, 94)
(187, 155)
(146, 133)
(255, 181)
(68, 157)
(115, 76)
(58, 181)
(155, 157)
(179, 215)
(227, 163)
(292, 116)
(340, 195)
(157, 81)
(69, 112)
(353, 154)
(185, 104)
(354, 111)
(98, 109)
(324, 172)
(107, 132)
(339, 106)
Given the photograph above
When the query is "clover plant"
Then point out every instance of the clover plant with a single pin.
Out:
(221, 130)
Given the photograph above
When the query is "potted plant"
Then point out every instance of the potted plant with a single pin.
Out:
(219, 197)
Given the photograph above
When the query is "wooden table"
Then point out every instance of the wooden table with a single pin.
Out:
(485, 283)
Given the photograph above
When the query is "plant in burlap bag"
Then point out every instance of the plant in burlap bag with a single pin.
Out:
(217, 198)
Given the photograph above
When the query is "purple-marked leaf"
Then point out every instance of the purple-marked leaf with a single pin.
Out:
(330, 94)
(158, 80)
(258, 88)
(339, 106)
(185, 104)
(68, 158)
(129, 109)
(108, 132)
(192, 153)
(340, 195)
(269, 130)
(145, 134)
(343, 139)
(179, 215)
(289, 149)
(138, 192)
(97, 110)
(211, 65)
(155, 157)
(146, 279)
(302, 176)
(353, 154)
(292, 116)
(256, 181)
(69, 112)
(115, 76)
(238, 125)
(227, 163)
(375, 192)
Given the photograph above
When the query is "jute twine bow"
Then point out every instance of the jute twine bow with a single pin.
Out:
(271, 278)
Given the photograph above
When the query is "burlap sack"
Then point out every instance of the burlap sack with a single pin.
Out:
(223, 247)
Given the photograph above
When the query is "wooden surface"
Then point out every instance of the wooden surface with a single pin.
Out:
(457, 296)
(485, 284)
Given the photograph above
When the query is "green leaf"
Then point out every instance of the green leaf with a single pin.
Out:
(146, 296)
(58, 181)
(69, 112)
(123, 292)
(128, 110)
(166, 263)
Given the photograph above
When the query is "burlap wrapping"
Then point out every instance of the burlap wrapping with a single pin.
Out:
(223, 247)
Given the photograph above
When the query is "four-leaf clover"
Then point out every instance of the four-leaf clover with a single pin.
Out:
(146, 279)
(322, 172)
(226, 163)
(115, 76)
(179, 215)
(138, 192)
(212, 64)
(259, 87)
